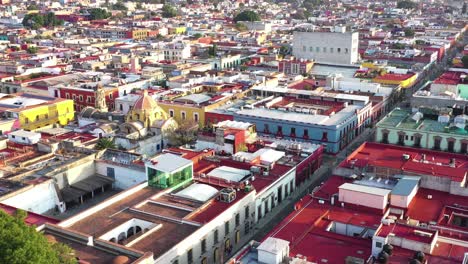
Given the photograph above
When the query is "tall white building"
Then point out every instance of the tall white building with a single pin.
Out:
(337, 47)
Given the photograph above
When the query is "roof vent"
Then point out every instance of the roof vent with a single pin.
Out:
(227, 195)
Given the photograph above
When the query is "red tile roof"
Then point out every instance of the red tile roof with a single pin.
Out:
(391, 156)
(31, 218)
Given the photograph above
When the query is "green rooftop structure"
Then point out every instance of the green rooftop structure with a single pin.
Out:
(463, 91)
(426, 128)
(169, 171)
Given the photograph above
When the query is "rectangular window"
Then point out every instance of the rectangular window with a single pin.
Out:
(451, 146)
(324, 49)
(237, 239)
(417, 142)
(246, 211)
(215, 236)
(183, 115)
(401, 139)
(311, 49)
(437, 143)
(81, 98)
(304, 48)
(293, 131)
(325, 136)
(195, 117)
(226, 228)
(280, 129)
(237, 219)
(331, 50)
(306, 133)
(339, 50)
(385, 137)
(171, 113)
(464, 148)
(67, 95)
(190, 256)
(317, 49)
(259, 212)
(203, 245)
(378, 244)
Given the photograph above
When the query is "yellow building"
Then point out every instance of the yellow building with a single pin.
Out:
(177, 30)
(146, 111)
(192, 108)
(402, 80)
(33, 112)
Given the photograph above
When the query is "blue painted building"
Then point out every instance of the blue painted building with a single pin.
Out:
(333, 131)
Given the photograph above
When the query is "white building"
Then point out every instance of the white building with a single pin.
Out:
(177, 51)
(338, 47)
(24, 137)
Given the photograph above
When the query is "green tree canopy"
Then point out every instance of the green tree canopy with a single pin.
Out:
(241, 27)
(98, 13)
(21, 244)
(247, 15)
(32, 50)
(186, 133)
(465, 61)
(32, 7)
(36, 21)
(119, 6)
(409, 32)
(311, 5)
(169, 11)
(406, 4)
(213, 50)
(105, 143)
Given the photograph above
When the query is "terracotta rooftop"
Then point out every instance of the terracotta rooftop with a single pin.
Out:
(391, 156)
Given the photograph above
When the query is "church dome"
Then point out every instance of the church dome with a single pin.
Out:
(120, 260)
(145, 102)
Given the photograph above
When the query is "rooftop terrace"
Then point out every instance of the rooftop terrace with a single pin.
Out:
(404, 119)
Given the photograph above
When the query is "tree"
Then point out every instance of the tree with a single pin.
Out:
(36, 21)
(247, 15)
(185, 134)
(213, 50)
(119, 6)
(98, 13)
(197, 35)
(406, 4)
(105, 143)
(32, 50)
(169, 11)
(409, 32)
(311, 5)
(21, 243)
(32, 7)
(241, 27)
(465, 61)
(398, 46)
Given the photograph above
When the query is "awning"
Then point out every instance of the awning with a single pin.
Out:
(85, 186)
